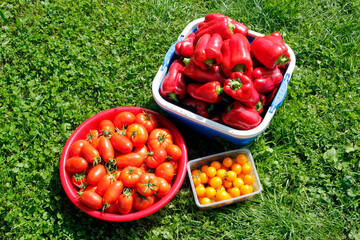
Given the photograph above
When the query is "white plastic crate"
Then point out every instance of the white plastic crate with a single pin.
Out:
(197, 163)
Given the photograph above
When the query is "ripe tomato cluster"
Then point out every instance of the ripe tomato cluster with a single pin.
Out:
(224, 180)
(125, 165)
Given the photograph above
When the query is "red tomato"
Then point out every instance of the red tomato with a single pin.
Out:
(130, 176)
(106, 127)
(91, 154)
(124, 119)
(112, 208)
(112, 193)
(96, 174)
(91, 199)
(156, 157)
(104, 184)
(142, 202)
(125, 201)
(143, 150)
(106, 149)
(146, 119)
(76, 165)
(116, 174)
(175, 165)
(75, 150)
(137, 134)
(147, 184)
(79, 180)
(166, 171)
(93, 138)
(121, 143)
(164, 187)
(130, 159)
(159, 137)
(173, 151)
(91, 188)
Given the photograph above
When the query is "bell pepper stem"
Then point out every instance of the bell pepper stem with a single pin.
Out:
(239, 68)
(283, 60)
(173, 96)
(210, 62)
(219, 90)
(236, 84)
(186, 60)
(231, 26)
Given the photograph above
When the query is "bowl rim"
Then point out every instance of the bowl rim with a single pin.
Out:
(71, 192)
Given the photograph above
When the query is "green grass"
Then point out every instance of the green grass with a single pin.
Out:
(63, 61)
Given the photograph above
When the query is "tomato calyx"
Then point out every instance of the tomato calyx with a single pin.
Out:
(106, 133)
(96, 161)
(127, 192)
(149, 185)
(110, 165)
(142, 197)
(89, 137)
(121, 131)
(105, 206)
(162, 138)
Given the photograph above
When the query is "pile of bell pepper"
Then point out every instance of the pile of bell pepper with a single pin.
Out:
(220, 75)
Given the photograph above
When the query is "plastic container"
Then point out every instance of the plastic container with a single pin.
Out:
(206, 126)
(92, 123)
(197, 163)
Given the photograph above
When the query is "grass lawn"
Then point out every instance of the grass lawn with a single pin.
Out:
(63, 61)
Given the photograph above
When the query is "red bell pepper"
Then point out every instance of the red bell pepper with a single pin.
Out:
(240, 87)
(265, 80)
(236, 55)
(186, 47)
(222, 26)
(196, 73)
(210, 92)
(173, 86)
(208, 51)
(269, 97)
(240, 117)
(270, 50)
(197, 106)
(239, 27)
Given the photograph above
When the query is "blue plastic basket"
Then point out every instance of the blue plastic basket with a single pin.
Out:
(206, 126)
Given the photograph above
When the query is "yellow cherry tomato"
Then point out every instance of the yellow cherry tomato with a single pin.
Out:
(235, 192)
(236, 167)
(249, 179)
(221, 173)
(210, 192)
(228, 184)
(222, 195)
(200, 191)
(215, 182)
(204, 168)
(246, 168)
(195, 173)
(238, 182)
(216, 165)
(203, 178)
(204, 200)
(227, 162)
(241, 175)
(246, 189)
(211, 172)
(230, 176)
(196, 181)
(241, 158)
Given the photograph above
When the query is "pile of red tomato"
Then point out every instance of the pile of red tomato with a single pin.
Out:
(125, 165)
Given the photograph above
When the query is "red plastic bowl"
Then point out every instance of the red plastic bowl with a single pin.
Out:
(92, 123)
